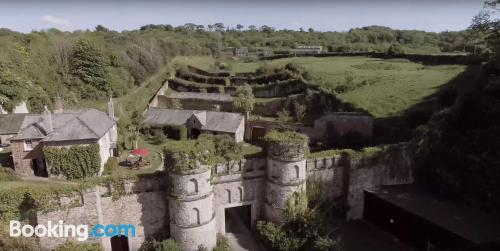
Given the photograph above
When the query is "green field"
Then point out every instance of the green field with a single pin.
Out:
(382, 87)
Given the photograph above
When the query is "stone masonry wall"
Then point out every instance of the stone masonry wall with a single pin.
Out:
(392, 167)
(144, 206)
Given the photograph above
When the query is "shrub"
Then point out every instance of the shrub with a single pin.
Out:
(111, 166)
(395, 49)
(159, 136)
(222, 243)
(278, 238)
(71, 246)
(167, 245)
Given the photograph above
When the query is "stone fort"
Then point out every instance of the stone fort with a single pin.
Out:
(191, 207)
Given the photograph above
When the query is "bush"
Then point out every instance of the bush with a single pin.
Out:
(71, 246)
(222, 243)
(167, 245)
(159, 137)
(111, 166)
(278, 238)
(395, 49)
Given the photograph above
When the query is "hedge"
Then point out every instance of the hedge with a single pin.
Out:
(425, 59)
(186, 75)
(206, 73)
(76, 162)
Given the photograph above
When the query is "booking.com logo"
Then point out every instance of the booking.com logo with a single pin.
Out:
(80, 232)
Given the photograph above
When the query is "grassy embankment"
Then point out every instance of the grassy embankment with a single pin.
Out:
(383, 87)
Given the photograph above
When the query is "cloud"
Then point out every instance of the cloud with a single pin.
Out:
(56, 21)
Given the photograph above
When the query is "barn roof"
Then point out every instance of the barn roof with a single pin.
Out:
(213, 121)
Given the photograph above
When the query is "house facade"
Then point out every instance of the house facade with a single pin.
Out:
(64, 129)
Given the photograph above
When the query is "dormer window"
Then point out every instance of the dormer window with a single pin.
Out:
(28, 145)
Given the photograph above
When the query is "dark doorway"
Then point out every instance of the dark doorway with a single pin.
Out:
(258, 134)
(238, 218)
(195, 133)
(39, 168)
(119, 243)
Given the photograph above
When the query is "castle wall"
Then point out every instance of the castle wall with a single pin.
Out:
(238, 184)
(144, 206)
(393, 167)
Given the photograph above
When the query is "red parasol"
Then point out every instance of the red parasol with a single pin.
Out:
(140, 152)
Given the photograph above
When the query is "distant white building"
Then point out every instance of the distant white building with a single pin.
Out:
(308, 50)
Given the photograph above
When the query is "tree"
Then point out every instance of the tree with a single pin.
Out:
(252, 27)
(487, 27)
(395, 49)
(219, 26)
(244, 100)
(101, 28)
(239, 27)
(89, 65)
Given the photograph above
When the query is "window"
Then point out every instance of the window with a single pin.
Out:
(193, 186)
(28, 145)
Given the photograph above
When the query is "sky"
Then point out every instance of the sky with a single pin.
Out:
(323, 15)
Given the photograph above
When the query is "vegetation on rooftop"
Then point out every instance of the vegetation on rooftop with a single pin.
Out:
(287, 145)
(186, 155)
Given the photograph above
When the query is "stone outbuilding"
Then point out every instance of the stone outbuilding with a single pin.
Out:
(198, 122)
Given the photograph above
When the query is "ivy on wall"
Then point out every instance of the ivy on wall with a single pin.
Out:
(76, 162)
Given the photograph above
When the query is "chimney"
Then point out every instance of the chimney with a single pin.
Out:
(2, 111)
(58, 105)
(111, 108)
(48, 118)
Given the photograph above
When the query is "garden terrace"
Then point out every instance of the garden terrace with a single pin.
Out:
(190, 76)
(207, 73)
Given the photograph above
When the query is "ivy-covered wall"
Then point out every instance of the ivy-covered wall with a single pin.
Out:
(75, 162)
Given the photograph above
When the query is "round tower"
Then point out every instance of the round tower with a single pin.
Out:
(286, 171)
(191, 208)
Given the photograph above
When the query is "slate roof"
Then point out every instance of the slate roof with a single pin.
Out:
(204, 96)
(210, 120)
(11, 123)
(80, 125)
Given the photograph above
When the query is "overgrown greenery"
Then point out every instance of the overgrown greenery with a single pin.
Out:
(186, 155)
(75, 162)
(244, 100)
(286, 144)
(222, 243)
(72, 246)
(311, 223)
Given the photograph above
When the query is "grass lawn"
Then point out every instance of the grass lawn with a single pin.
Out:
(382, 87)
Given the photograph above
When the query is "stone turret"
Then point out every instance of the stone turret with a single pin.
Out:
(286, 171)
(191, 208)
